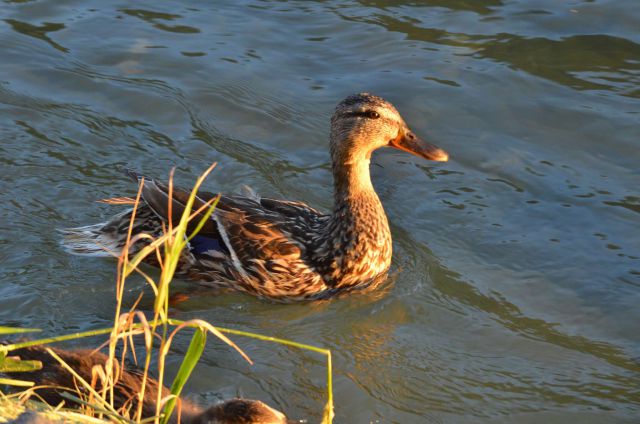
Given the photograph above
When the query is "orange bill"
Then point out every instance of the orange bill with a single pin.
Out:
(409, 142)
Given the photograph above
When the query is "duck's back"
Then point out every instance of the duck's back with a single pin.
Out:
(258, 245)
(56, 379)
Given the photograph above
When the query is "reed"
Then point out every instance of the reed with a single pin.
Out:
(159, 328)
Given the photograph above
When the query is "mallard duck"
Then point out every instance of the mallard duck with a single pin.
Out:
(283, 249)
(56, 378)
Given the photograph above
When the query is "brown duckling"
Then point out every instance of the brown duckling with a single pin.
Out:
(234, 411)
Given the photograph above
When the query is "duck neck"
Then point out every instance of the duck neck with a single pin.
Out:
(358, 230)
(352, 189)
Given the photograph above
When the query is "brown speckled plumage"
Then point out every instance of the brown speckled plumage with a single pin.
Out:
(234, 411)
(282, 249)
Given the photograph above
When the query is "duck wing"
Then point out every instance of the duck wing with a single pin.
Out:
(270, 243)
(156, 195)
(263, 238)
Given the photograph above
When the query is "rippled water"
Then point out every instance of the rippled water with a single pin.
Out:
(517, 263)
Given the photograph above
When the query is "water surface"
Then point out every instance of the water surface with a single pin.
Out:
(517, 263)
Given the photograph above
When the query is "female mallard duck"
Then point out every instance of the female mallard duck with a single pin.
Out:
(55, 379)
(282, 249)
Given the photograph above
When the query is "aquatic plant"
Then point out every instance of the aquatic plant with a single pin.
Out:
(167, 248)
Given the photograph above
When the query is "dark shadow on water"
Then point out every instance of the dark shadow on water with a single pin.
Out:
(481, 7)
(451, 284)
(151, 17)
(631, 203)
(39, 32)
(582, 62)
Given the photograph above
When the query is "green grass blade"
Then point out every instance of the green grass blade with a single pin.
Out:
(12, 382)
(174, 246)
(73, 336)
(328, 414)
(328, 411)
(16, 365)
(14, 330)
(113, 416)
(205, 218)
(191, 358)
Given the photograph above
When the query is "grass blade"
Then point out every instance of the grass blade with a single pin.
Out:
(12, 382)
(191, 358)
(114, 416)
(82, 381)
(16, 365)
(73, 336)
(13, 330)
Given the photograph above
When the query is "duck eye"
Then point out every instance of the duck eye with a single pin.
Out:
(372, 114)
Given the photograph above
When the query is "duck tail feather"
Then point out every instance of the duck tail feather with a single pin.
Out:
(133, 174)
(249, 192)
(90, 241)
(103, 239)
(109, 238)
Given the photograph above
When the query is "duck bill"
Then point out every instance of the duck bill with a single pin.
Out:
(409, 142)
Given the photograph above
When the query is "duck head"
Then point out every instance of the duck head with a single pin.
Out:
(244, 411)
(363, 123)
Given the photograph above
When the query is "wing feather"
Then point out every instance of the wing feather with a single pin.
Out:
(266, 239)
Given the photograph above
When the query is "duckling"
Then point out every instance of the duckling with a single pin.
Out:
(56, 378)
(281, 249)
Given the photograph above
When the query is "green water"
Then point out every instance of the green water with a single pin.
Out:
(517, 263)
